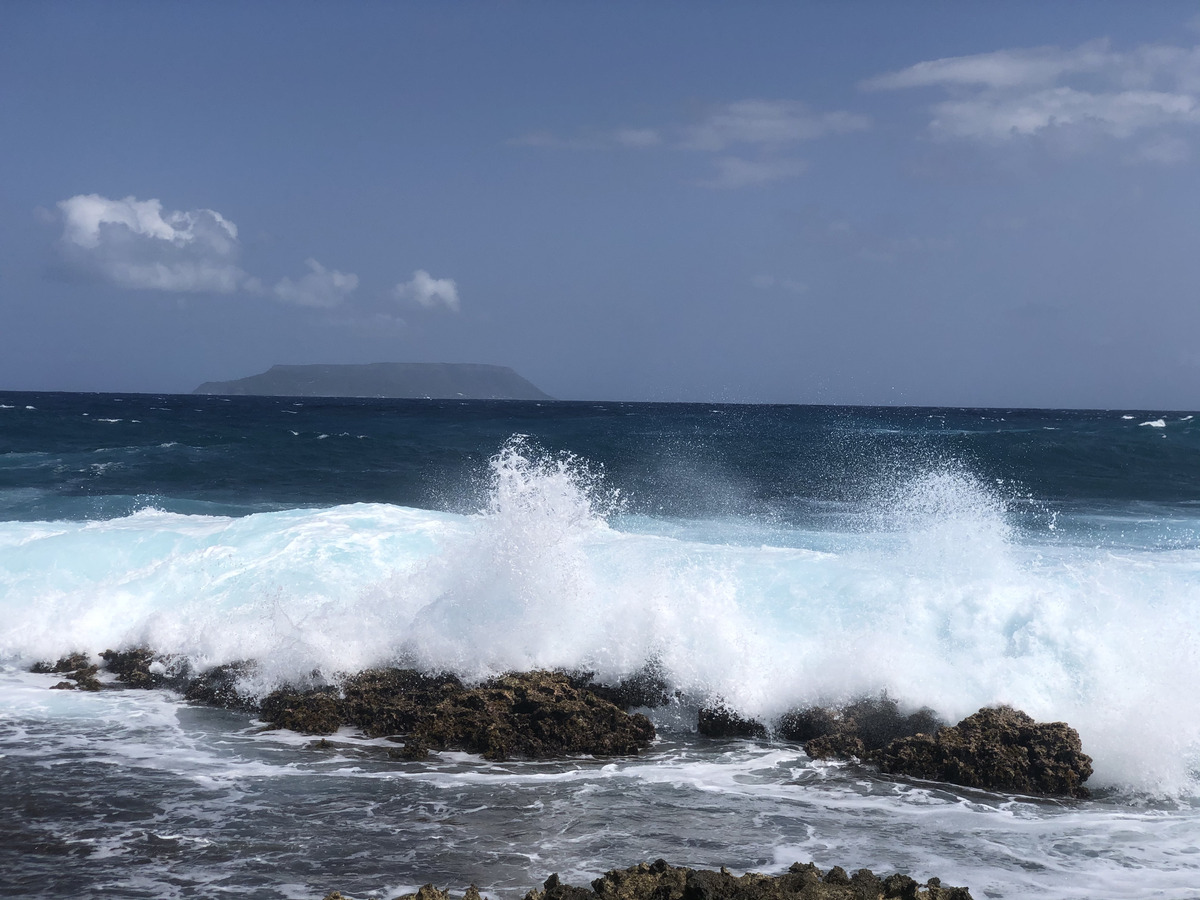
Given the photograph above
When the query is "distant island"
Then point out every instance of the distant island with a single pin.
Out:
(433, 381)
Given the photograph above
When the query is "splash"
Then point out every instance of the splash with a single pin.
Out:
(941, 602)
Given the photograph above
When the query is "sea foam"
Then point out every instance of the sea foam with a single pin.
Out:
(938, 600)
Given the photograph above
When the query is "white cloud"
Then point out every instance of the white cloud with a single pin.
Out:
(429, 291)
(773, 123)
(1084, 94)
(734, 172)
(132, 243)
(1002, 69)
(1119, 115)
(767, 128)
(321, 287)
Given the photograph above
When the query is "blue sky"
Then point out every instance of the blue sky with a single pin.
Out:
(914, 203)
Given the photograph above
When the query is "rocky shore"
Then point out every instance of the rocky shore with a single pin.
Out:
(660, 881)
(546, 715)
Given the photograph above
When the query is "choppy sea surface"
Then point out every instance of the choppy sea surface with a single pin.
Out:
(769, 556)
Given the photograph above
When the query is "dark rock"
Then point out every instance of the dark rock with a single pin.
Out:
(63, 686)
(394, 701)
(537, 715)
(219, 686)
(861, 729)
(85, 678)
(836, 875)
(133, 668)
(308, 712)
(1000, 749)
(839, 745)
(73, 662)
(722, 722)
(660, 881)
(645, 688)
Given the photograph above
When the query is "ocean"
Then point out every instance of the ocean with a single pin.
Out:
(765, 556)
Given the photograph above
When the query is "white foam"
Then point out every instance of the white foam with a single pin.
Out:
(939, 602)
(1155, 423)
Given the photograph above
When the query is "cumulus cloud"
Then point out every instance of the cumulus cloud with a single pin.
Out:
(321, 288)
(1092, 91)
(428, 291)
(135, 244)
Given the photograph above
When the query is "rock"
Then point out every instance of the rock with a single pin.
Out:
(86, 679)
(141, 667)
(76, 666)
(1000, 749)
(308, 712)
(72, 662)
(219, 686)
(394, 701)
(646, 687)
(722, 722)
(537, 715)
(861, 729)
(660, 881)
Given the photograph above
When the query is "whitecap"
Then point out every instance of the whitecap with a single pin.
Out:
(1155, 423)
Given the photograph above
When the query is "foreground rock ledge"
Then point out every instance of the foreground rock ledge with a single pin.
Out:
(533, 715)
(660, 881)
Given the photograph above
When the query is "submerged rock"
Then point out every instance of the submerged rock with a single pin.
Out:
(1000, 749)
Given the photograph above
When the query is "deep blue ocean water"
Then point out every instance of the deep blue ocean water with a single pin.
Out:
(765, 555)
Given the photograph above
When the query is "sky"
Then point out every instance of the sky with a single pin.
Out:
(924, 203)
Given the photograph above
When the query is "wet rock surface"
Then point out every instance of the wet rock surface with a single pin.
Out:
(78, 667)
(722, 722)
(660, 881)
(1000, 749)
(861, 729)
(535, 715)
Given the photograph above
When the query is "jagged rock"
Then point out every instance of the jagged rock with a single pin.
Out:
(861, 729)
(538, 715)
(646, 687)
(660, 881)
(394, 701)
(1000, 749)
(722, 722)
(72, 662)
(141, 667)
(839, 745)
(309, 712)
(219, 686)
(85, 678)
(427, 892)
(78, 667)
